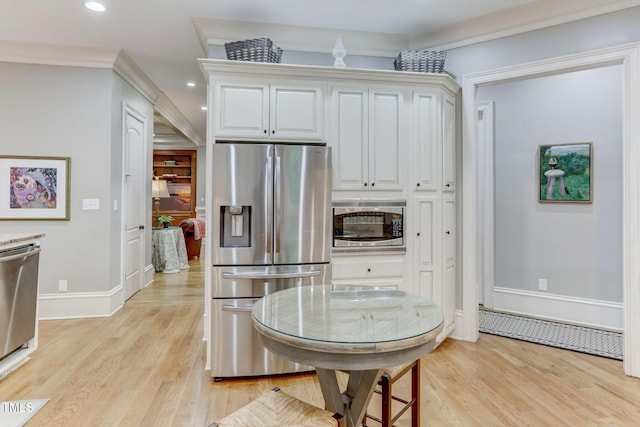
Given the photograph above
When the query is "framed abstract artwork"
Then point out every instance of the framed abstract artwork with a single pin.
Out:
(34, 188)
(566, 173)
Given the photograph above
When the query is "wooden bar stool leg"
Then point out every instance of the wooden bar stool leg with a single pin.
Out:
(415, 394)
(387, 417)
(387, 400)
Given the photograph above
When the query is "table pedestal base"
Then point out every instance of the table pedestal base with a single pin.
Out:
(351, 403)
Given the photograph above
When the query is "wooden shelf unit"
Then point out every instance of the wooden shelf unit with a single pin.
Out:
(181, 182)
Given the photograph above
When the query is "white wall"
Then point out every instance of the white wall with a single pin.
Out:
(612, 29)
(576, 247)
(585, 35)
(72, 112)
(64, 111)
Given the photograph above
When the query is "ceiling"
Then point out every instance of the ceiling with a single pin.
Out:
(164, 38)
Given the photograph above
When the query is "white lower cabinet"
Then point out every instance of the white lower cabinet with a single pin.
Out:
(371, 270)
(434, 255)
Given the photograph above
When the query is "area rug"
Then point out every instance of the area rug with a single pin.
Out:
(16, 413)
(554, 334)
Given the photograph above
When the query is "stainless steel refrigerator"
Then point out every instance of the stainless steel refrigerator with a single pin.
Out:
(272, 230)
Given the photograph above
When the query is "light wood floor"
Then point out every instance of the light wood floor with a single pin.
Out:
(144, 367)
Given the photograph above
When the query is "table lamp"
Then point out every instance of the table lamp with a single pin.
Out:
(158, 189)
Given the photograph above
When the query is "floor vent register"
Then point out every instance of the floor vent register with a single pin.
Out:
(554, 334)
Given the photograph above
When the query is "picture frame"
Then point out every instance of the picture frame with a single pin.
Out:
(35, 188)
(565, 173)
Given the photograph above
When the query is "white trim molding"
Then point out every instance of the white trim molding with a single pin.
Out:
(80, 305)
(100, 57)
(560, 308)
(628, 56)
(516, 20)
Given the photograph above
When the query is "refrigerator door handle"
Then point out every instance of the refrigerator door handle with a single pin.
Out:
(268, 203)
(237, 308)
(262, 275)
(277, 204)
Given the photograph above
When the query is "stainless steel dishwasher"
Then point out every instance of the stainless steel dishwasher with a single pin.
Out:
(18, 296)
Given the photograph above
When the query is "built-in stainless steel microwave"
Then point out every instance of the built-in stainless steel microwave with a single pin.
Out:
(369, 225)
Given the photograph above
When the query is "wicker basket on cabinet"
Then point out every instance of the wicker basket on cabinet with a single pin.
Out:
(256, 50)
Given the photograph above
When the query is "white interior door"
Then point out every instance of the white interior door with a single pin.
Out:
(133, 204)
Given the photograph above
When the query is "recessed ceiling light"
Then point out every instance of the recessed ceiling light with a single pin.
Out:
(96, 6)
(203, 108)
(191, 84)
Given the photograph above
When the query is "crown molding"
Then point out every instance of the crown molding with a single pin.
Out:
(516, 20)
(303, 39)
(520, 19)
(174, 117)
(212, 67)
(126, 68)
(98, 57)
(47, 54)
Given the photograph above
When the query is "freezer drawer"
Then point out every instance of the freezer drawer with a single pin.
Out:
(257, 281)
(236, 349)
(18, 296)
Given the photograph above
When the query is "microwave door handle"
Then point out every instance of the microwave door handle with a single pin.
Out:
(259, 275)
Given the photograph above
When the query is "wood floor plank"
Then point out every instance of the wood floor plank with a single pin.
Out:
(144, 366)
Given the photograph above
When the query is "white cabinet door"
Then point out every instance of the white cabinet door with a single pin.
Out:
(350, 137)
(434, 256)
(387, 117)
(262, 110)
(296, 112)
(448, 144)
(369, 138)
(426, 140)
(449, 263)
(241, 110)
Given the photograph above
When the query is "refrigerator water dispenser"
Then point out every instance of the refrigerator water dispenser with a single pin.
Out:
(235, 224)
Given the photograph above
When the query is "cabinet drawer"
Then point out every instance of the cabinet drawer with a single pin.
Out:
(363, 269)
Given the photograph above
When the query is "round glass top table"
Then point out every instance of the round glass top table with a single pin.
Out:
(355, 329)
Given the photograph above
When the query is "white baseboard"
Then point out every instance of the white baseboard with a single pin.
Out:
(458, 320)
(148, 275)
(85, 304)
(79, 305)
(581, 311)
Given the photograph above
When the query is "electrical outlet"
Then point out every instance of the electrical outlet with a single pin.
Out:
(62, 285)
(542, 284)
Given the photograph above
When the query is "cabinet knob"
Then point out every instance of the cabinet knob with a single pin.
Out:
(373, 183)
(447, 185)
(265, 131)
(447, 232)
(418, 185)
(365, 184)
(368, 270)
(418, 234)
(273, 132)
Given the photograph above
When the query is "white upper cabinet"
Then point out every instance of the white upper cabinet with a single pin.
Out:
(368, 137)
(268, 110)
(448, 144)
(426, 139)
